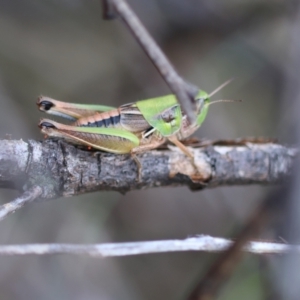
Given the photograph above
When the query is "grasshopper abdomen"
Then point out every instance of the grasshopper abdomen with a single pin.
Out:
(104, 119)
(125, 117)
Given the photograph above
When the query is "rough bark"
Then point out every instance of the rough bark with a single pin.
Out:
(64, 170)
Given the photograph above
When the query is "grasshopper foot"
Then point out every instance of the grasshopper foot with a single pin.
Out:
(139, 167)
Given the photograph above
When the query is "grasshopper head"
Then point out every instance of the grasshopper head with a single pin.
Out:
(202, 100)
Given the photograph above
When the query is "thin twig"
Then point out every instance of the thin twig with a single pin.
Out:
(184, 92)
(28, 196)
(198, 243)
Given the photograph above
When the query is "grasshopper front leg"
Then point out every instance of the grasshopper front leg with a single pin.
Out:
(150, 143)
(181, 146)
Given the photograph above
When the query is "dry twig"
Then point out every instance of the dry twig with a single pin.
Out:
(27, 197)
(198, 243)
(184, 92)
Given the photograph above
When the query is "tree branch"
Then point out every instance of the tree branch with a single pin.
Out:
(61, 169)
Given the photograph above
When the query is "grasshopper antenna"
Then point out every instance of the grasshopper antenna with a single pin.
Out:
(224, 100)
(220, 87)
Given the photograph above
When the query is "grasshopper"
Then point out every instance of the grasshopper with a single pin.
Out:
(131, 128)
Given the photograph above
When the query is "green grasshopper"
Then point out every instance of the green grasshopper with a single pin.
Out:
(131, 128)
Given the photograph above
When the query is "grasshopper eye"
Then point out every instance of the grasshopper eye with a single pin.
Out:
(45, 105)
(45, 124)
(169, 114)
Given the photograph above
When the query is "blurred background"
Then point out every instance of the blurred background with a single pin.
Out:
(63, 49)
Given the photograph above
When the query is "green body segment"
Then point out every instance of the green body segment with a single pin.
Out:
(162, 113)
